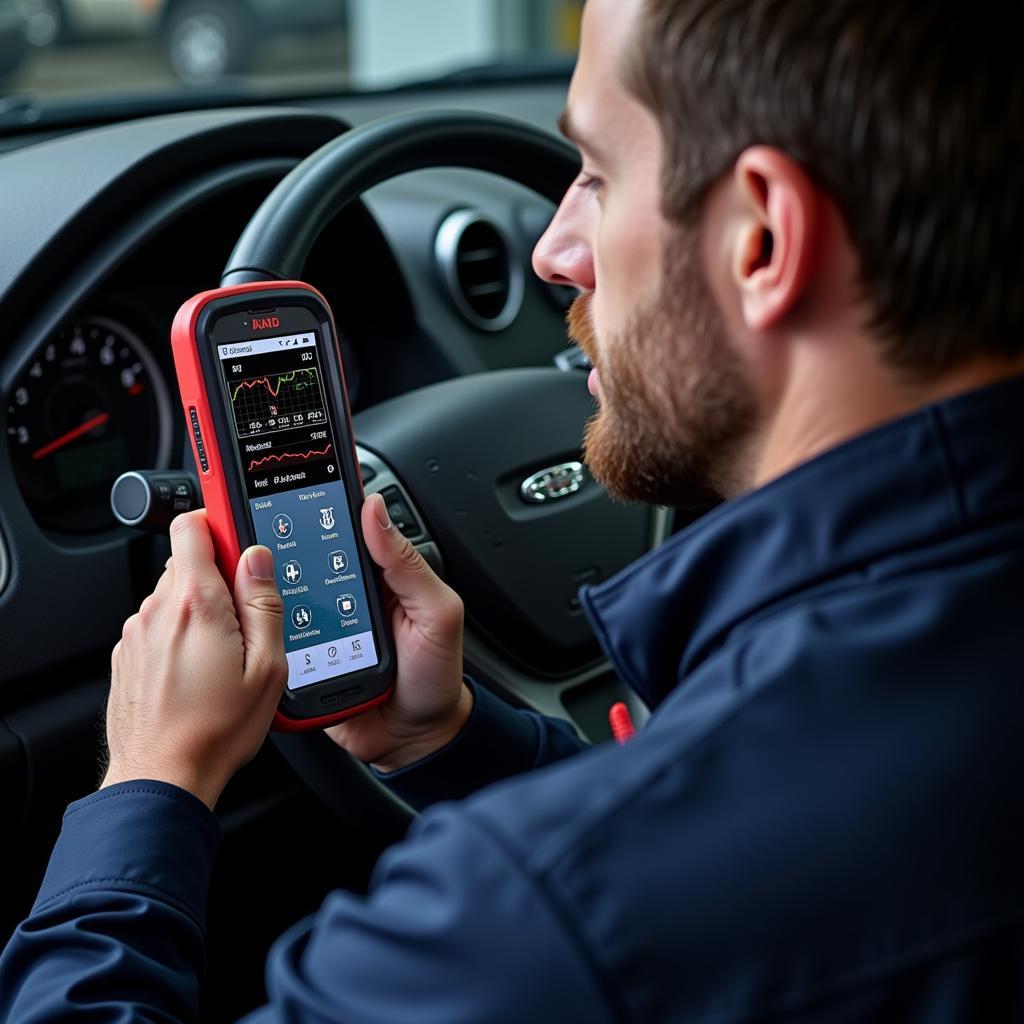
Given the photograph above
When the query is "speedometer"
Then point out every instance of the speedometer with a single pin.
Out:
(90, 405)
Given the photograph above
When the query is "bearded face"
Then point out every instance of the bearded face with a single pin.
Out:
(676, 405)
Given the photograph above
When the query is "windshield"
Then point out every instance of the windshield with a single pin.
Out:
(79, 50)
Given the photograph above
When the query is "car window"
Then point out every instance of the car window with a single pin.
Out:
(56, 50)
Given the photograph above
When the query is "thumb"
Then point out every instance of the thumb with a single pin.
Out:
(260, 613)
(417, 587)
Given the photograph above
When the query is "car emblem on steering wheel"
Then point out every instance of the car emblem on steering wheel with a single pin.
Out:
(552, 483)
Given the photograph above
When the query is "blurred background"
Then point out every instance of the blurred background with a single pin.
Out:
(76, 49)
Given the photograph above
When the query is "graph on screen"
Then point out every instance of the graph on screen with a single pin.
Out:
(277, 401)
(277, 458)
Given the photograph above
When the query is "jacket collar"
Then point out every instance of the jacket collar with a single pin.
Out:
(933, 473)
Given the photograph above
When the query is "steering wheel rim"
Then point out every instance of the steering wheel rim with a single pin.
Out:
(274, 246)
(277, 240)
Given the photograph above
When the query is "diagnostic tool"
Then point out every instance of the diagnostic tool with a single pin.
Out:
(266, 409)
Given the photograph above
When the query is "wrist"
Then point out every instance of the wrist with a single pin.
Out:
(203, 788)
(429, 742)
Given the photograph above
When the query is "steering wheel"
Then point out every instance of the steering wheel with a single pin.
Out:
(459, 452)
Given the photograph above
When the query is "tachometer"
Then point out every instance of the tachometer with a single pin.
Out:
(90, 405)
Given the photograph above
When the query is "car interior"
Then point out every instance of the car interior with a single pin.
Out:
(413, 208)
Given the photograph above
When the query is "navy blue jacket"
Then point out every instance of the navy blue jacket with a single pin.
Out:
(822, 821)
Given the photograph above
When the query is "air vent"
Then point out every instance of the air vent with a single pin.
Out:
(482, 274)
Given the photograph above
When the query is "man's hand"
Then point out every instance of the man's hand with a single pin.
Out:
(430, 703)
(196, 675)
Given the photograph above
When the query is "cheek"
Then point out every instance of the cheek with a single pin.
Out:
(627, 261)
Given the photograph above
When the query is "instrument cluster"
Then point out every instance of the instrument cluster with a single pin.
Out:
(90, 403)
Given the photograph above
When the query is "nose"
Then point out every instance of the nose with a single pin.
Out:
(563, 253)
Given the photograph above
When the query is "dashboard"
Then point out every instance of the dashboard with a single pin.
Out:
(108, 231)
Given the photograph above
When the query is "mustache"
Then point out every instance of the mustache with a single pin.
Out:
(581, 326)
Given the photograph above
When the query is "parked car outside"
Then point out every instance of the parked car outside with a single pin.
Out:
(202, 40)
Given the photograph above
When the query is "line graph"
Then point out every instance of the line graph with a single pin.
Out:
(282, 378)
(281, 401)
(254, 464)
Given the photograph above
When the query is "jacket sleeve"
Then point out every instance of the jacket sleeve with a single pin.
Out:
(116, 931)
(497, 742)
(454, 930)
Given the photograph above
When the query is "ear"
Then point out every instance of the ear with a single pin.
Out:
(775, 247)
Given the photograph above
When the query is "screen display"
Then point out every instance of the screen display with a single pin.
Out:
(293, 483)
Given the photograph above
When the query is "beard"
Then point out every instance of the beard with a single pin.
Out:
(677, 407)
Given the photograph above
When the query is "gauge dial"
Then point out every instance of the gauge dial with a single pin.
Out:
(90, 405)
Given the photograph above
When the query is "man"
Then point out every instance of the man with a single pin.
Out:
(796, 233)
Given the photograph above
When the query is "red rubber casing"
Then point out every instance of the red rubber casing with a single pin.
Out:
(219, 513)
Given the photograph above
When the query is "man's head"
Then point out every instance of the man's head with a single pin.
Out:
(794, 221)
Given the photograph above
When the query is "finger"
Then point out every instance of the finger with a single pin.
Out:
(260, 614)
(192, 551)
(417, 587)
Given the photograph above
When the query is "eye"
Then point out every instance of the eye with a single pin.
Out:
(589, 182)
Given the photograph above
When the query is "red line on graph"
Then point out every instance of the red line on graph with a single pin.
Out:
(250, 384)
(287, 455)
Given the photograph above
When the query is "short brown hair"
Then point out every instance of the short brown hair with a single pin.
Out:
(909, 114)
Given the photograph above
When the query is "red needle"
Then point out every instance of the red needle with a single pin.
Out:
(59, 442)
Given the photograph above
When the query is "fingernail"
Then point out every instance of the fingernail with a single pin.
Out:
(382, 513)
(260, 562)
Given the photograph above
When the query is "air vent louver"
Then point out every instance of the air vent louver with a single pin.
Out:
(483, 277)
